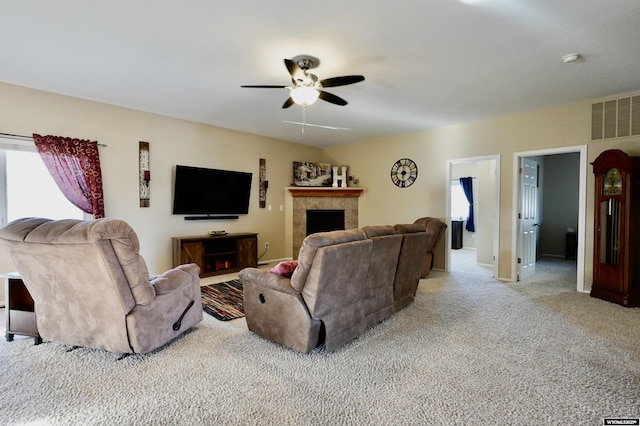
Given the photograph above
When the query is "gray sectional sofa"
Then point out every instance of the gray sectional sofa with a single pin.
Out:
(345, 281)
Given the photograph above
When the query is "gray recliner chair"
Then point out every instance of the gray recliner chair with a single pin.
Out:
(321, 302)
(410, 262)
(435, 232)
(91, 287)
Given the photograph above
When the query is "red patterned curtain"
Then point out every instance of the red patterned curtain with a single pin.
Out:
(75, 167)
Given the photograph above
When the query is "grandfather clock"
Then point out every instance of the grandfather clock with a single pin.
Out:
(616, 253)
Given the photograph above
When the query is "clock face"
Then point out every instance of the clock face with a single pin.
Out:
(612, 182)
(404, 172)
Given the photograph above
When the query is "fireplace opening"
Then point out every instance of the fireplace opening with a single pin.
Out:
(324, 220)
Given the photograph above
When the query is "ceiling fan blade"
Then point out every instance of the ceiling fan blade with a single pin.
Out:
(296, 72)
(330, 97)
(263, 86)
(288, 103)
(316, 125)
(342, 81)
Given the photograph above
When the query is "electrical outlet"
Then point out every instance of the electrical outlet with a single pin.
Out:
(266, 246)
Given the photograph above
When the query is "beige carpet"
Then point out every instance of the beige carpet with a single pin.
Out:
(469, 351)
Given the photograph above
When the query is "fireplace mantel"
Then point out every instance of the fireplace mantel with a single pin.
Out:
(325, 192)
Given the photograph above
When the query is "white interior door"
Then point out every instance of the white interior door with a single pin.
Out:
(528, 220)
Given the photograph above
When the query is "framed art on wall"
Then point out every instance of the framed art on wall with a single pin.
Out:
(311, 174)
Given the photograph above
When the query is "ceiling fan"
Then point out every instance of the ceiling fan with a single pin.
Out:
(306, 88)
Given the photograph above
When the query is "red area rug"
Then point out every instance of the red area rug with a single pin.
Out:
(223, 300)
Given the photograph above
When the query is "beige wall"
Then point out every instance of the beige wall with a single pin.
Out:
(172, 141)
(563, 126)
(486, 201)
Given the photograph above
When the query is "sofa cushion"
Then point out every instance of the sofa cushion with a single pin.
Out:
(378, 230)
(409, 228)
(312, 243)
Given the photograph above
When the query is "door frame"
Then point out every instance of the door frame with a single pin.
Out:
(582, 207)
(496, 209)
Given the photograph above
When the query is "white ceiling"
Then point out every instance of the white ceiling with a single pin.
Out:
(427, 62)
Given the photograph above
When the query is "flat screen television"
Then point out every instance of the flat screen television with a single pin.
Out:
(210, 192)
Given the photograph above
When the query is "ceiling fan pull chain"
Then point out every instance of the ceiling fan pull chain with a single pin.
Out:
(304, 117)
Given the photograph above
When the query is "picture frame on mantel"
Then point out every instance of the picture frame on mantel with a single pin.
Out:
(311, 174)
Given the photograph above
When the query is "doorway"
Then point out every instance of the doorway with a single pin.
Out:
(557, 227)
(483, 242)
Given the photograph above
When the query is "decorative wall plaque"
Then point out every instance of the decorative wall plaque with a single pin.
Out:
(145, 174)
(263, 183)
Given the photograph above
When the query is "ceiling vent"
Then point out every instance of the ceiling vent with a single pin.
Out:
(617, 118)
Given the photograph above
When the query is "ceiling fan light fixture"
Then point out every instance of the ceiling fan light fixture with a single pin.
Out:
(571, 57)
(304, 95)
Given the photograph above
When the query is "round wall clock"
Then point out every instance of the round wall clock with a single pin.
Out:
(404, 172)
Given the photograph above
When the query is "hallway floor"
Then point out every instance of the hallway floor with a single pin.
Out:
(550, 271)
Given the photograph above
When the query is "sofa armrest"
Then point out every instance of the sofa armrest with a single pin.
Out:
(267, 279)
(176, 278)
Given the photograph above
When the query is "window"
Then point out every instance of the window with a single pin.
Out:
(26, 187)
(459, 203)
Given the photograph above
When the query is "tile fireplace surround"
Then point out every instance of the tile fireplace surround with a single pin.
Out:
(322, 199)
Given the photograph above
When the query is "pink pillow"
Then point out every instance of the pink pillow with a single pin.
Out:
(285, 268)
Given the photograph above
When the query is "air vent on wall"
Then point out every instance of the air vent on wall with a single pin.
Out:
(615, 118)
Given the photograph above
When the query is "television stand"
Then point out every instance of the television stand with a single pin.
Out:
(210, 217)
(217, 254)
